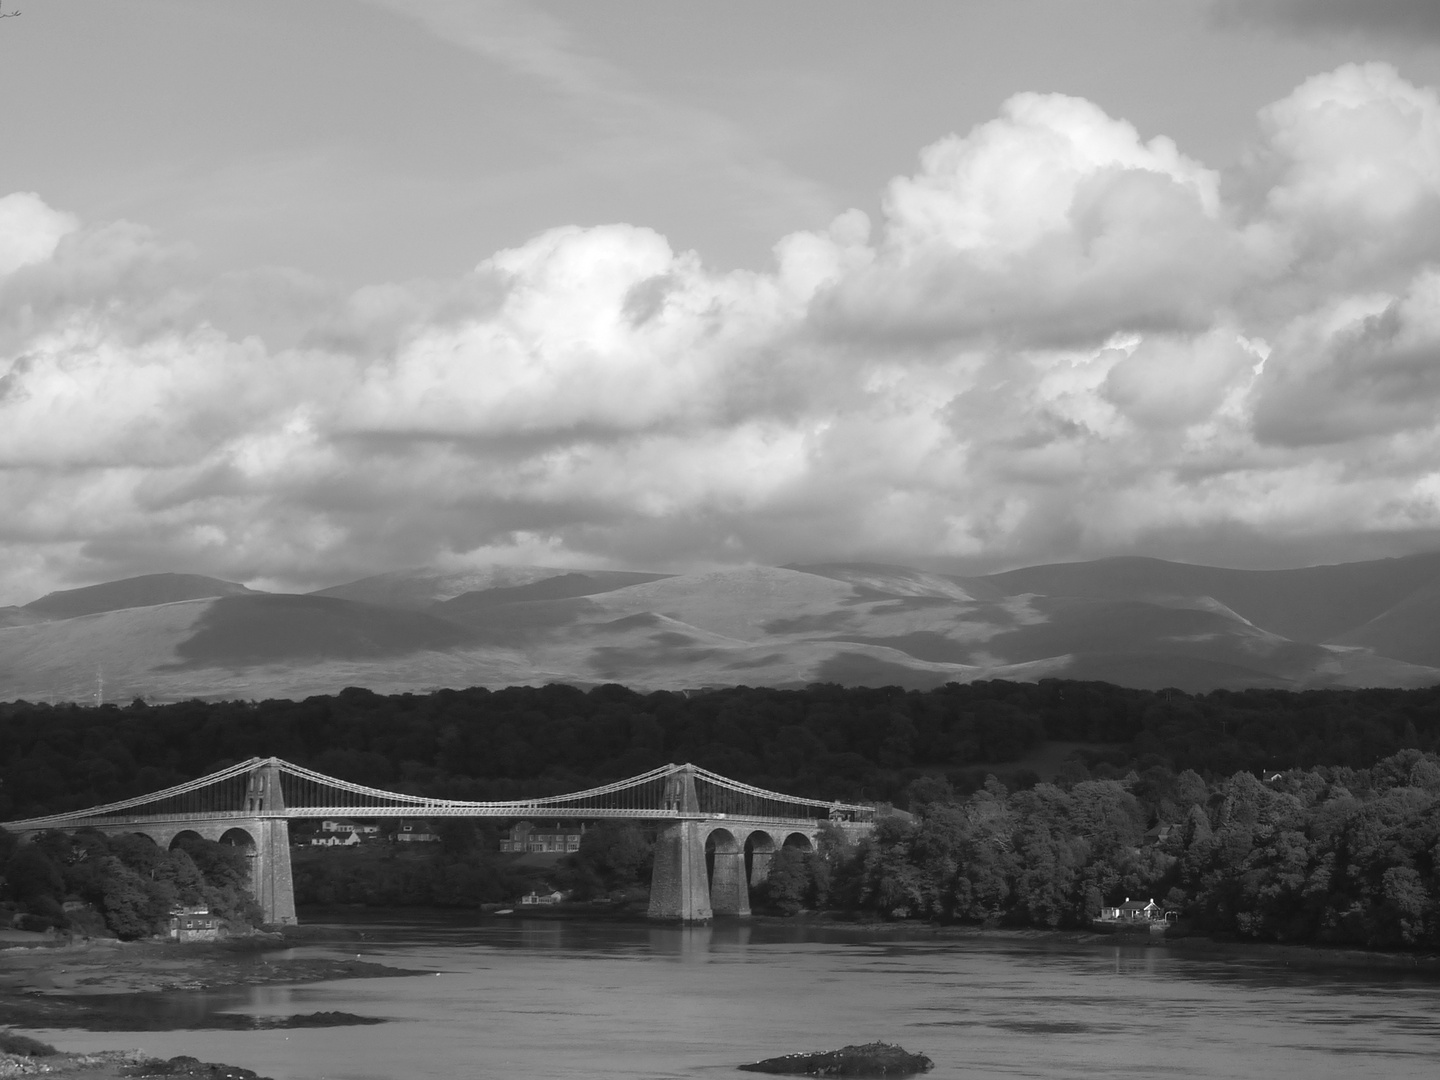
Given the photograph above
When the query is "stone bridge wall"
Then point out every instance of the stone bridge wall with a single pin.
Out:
(681, 886)
(267, 840)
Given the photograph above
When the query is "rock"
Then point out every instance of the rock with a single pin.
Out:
(189, 1068)
(871, 1059)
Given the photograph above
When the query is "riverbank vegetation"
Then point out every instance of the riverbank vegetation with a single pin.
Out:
(1331, 854)
(464, 870)
(122, 885)
(1268, 815)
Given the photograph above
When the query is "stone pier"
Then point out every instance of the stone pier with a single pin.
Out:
(729, 891)
(679, 885)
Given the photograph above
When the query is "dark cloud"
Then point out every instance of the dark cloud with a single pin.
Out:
(1378, 377)
(1391, 18)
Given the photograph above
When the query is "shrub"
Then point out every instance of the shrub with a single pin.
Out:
(24, 1046)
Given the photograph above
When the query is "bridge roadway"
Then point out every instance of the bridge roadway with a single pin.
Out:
(700, 854)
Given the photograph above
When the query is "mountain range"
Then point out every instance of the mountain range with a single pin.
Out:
(1133, 621)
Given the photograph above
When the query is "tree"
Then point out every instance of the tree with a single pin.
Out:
(133, 907)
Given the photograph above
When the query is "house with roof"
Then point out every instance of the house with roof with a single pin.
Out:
(193, 924)
(1132, 912)
(1158, 833)
(527, 837)
(415, 831)
(335, 839)
(350, 827)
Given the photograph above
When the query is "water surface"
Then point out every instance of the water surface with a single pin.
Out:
(513, 999)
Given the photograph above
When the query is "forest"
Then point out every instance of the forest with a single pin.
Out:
(1273, 815)
(121, 885)
(823, 741)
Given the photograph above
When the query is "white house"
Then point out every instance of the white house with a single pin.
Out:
(350, 827)
(336, 839)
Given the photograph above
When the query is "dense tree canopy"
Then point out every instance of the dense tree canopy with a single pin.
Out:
(1328, 854)
(124, 884)
(824, 740)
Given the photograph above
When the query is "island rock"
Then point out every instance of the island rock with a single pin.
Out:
(870, 1059)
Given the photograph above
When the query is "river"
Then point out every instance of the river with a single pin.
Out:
(540, 999)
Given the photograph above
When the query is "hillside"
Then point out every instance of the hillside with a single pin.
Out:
(1144, 623)
(146, 591)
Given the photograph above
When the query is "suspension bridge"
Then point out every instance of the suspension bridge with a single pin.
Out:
(715, 837)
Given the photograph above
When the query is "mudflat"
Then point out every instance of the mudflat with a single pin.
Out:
(119, 1065)
(49, 983)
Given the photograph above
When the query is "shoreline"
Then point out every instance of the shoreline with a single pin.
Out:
(1299, 953)
(83, 984)
(49, 984)
(119, 1065)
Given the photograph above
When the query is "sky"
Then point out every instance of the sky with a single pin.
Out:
(295, 293)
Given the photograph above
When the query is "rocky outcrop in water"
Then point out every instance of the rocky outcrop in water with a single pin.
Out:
(870, 1059)
(189, 1068)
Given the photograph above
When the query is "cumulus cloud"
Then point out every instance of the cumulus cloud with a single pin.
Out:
(1057, 340)
(1053, 223)
(29, 230)
(1352, 170)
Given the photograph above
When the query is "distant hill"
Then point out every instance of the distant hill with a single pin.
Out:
(242, 631)
(1312, 604)
(1138, 622)
(422, 587)
(133, 592)
(1406, 630)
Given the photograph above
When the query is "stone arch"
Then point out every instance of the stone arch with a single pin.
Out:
(141, 835)
(182, 835)
(243, 839)
(760, 848)
(799, 841)
(725, 865)
(239, 837)
(721, 839)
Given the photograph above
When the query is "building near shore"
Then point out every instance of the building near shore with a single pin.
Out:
(526, 836)
(413, 831)
(193, 924)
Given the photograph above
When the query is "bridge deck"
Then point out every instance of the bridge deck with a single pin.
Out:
(304, 813)
(275, 789)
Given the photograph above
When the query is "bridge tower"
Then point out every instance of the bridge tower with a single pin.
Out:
(679, 885)
(271, 880)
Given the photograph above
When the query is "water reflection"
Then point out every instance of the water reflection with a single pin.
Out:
(1135, 961)
(565, 1000)
(542, 934)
